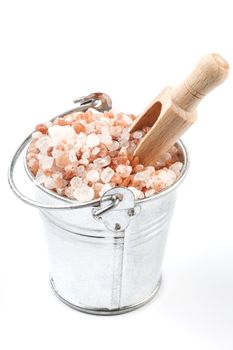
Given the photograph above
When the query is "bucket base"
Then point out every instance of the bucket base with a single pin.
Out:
(102, 311)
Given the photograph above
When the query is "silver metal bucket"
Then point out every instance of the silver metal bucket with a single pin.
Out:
(106, 255)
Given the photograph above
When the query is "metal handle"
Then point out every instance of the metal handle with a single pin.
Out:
(85, 103)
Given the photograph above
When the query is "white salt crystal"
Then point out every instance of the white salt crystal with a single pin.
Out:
(114, 146)
(138, 134)
(36, 134)
(115, 131)
(59, 133)
(45, 161)
(72, 155)
(56, 153)
(76, 182)
(40, 176)
(102, 162)
(92, 140)
(124, 170)
(84, 193)
(127, 119)
(176, 168)
(49, 183)
(93, 176)
(106, 175)
(43, 143)
(106, 139)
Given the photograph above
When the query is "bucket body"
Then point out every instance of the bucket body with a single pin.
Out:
(98, 268)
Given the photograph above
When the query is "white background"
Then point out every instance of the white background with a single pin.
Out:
(52, 51)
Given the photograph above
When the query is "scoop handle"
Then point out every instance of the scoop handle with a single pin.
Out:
(210, 72)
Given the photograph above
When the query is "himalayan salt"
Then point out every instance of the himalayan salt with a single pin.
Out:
(84, 193)
(59, 133)
(84, 154)
(93, 176)
(102, 162)
(124, 170)
(92, 140)
(49, 183)
(106, 175)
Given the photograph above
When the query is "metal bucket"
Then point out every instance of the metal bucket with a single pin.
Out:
(105, 255)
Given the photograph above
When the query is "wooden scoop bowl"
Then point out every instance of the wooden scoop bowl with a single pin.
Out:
(174, 110)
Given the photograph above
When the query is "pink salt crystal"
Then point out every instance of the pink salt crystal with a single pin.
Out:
(106, 175)
(40, 176)
(49, 183)
(69, 192)
(93, 176)
(102, 162)
(84, 193)
(62, 161)
(95, 151)
(92, 140)
(124, 170)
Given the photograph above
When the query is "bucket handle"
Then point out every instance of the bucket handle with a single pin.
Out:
(85, 103)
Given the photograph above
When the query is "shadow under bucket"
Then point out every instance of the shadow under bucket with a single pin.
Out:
(105, 255)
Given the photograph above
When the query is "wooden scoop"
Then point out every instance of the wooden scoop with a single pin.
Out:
(174, 110)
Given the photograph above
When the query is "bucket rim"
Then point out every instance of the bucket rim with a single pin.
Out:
(185, 160)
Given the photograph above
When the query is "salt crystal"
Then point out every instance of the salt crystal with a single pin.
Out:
(142, 176)
(84, 193)
(106, 175)
(126, 119)
(124, 170)
(72, 155)
(114, 146)
(176, 168)
(76, 182)
(95, 151)
(59, 133)
(43, 143)
(138, 134)
(93, 176)
(36, 134)
(49, 183)
(106, 139)
(45, 161)
(102, 162)
(92, 140)
(40, 176)
(56, 153)
(115, 131)
(80, 170)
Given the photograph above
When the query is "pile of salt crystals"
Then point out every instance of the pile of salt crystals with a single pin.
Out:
(82, 155)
